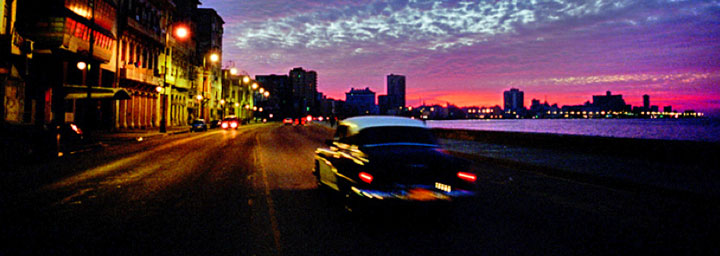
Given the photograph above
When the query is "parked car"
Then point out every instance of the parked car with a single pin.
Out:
(198, 125)
(230, 122)
(380, 160)
(215, 124)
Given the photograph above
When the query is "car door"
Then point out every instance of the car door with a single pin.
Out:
(339, 157)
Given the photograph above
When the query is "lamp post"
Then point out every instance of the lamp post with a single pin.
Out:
(207, 87)
(181, 32)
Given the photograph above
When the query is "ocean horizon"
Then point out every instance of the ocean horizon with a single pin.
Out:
(700, 129)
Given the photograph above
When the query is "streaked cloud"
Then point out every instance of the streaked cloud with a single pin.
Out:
(481, 47)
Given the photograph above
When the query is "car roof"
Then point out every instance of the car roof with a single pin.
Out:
(356, 124)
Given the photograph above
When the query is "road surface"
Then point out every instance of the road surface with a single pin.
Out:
(251, 192)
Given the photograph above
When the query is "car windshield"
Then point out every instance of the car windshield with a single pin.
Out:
(198, 122)
(376, 136)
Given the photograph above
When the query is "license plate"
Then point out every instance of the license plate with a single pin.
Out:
(421, 194)
(443, 187)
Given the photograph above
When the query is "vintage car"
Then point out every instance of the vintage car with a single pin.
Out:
(376, 160)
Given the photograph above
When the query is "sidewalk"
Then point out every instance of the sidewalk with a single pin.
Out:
(136, 134)
(676, 178)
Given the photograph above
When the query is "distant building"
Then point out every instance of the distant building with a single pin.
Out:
(514, 100)
(280, 100)
(668, 109)
(304, 91)
(361, 101)
(646, 102)
(394, 102)
(609, 102)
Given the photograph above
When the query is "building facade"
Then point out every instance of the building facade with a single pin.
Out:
(209, 53)
(304, 92)
(108, 64)
(361, 102)
(514, 100)
(71, 77)
(280, 101)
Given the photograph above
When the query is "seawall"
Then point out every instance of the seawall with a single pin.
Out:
(695, 152)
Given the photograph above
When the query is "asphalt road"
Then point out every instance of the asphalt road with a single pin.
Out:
(251, 192)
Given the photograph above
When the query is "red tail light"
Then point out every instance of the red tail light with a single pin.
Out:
(233, 125)
(224, 125)
(366, 177)
(466, 176)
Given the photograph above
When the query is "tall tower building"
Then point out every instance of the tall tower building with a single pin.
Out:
(514, 100)
(396, 90)
(646, 102)
(304, 91)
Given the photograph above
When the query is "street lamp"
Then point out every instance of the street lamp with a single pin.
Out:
(214, 57)
(180, 32)
(81, 65)
(200, 99)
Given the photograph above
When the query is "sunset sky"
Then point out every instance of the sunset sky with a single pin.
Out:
(469, 52)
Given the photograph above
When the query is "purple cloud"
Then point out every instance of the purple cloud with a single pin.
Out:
(481, 47)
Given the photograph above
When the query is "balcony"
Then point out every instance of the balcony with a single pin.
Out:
(135, 25)
(143, 75)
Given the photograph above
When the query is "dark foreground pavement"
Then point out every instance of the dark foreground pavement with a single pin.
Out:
(251, 192)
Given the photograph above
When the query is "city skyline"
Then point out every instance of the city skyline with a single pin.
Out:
(466, 52)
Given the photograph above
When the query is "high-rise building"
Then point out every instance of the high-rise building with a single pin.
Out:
(646, 102)
(304, 91)
(514, 100)
(396, 89)
(394, 101)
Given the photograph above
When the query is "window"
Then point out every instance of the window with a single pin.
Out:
(396, 134)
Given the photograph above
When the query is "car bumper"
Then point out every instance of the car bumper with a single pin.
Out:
(416, 193)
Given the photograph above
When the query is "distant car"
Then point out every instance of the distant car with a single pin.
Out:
(198, 125)
(230, 123)
(299, 121)
(374, 160)
(288, 121)
(215, 123)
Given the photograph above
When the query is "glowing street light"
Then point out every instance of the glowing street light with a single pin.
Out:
(254, 86)
(182, 32)
(266, 94)
(214, 57)
(246, 79)
(81, 65)
(222, 102)
(199, 97)
(233, 71)
(262, 90)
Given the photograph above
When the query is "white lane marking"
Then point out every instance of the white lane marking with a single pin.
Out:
(268, 198)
